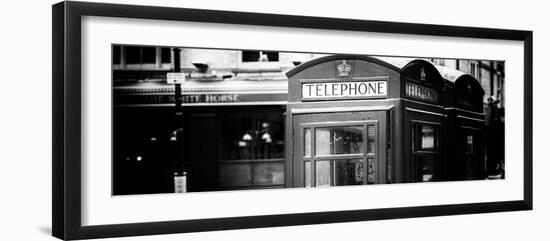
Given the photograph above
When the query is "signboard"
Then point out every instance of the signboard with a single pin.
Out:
(210, 98)
(345, 89)
(213, 99)
(421, 93)
(175, 78)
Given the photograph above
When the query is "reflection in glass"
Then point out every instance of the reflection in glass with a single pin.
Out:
(425, 168)
(269, 173)
(428, 137)
(235, 174)
(370, 139)
(322, 173)
(349, 172)
(307, 142)
(469, 143)
(338, 140)
(307, 175)
(250, 136)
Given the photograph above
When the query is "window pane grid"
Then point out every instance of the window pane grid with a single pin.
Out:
(351, 166)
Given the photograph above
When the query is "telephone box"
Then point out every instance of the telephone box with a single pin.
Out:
(355, 120)
(467, 135)
(423, 123)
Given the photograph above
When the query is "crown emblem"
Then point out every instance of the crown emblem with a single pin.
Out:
(344, 69)
(422, 74)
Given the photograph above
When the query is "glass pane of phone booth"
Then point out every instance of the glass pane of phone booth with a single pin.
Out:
(341, 154)
(425, 151)
(339, 140)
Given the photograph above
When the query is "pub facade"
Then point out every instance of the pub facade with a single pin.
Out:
(326, 120)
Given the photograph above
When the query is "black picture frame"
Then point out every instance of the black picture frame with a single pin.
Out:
(66, 47)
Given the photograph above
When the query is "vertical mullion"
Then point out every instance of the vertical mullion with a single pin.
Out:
(376, 153)
(366, 150)
(313, 159)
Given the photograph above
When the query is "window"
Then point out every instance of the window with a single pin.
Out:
(132, 55)
(252, 153)
(338, 140)
(340, 155)
(424, 137)
(148, 55)
(140, 55)
(425, 150)
(472, 153)
(165, 56)
(260, 56)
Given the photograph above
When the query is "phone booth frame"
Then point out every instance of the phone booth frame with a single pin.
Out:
(317, 111)
(413, 100)
(423, 123)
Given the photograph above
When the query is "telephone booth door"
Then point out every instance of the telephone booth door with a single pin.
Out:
(336, 149)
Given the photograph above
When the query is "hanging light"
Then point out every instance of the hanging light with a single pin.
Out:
(266, 136)
(247, 137)
(174, 136)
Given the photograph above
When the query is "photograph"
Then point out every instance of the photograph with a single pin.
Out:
(184, 119)
(191, 119)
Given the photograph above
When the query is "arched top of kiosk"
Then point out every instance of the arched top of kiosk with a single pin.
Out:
(468, 84)
(422, 71)
(461, 80)
(335, 57)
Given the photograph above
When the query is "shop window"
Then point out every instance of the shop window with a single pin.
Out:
(235, 174)
(268, 173)
(252, 150)
(260, 56)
